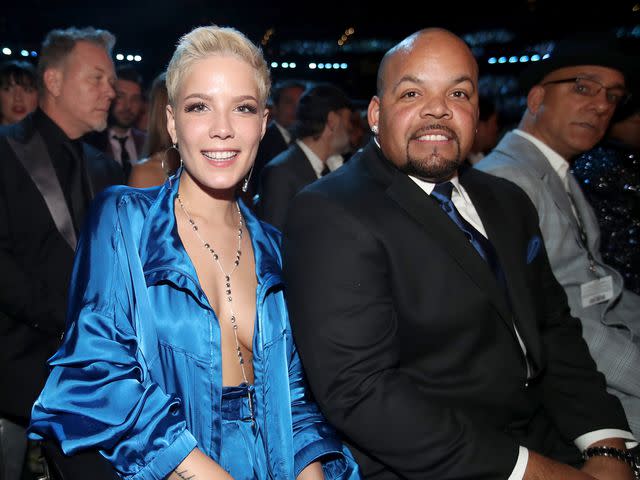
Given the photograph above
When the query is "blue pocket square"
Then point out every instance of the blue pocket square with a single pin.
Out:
(533, 248)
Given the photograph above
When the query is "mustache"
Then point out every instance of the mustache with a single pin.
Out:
(435, 126)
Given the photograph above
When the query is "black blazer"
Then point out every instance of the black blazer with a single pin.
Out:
(37, 243)
(408, 341)
(282, 178)
(272, 144)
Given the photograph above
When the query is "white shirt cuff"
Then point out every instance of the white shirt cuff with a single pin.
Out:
(583, 441)
(521, 464)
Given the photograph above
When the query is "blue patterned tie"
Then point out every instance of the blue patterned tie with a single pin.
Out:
(442, 193)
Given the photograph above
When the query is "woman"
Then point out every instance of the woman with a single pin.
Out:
(18, 91)
(161, 159)
(178, 360)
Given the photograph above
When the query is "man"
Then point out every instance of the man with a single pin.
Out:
(322, 131)
(438, 355)
(571, 99)
(47, 179)
(122, 141)
(487, 130)
(284, 102)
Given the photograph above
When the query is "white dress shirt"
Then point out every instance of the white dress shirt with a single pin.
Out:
(333, 162)
(129, 145)
(463, 204)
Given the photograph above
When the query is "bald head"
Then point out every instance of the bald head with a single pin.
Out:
(421, 41)
(426, 110)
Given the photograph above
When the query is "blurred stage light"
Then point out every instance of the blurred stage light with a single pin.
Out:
(129, 57)
(137, 58)
(6, 51)
(535, 58)
(119, 56)
(492, 60)
(274, 64)
(24, 53)
(312, 66)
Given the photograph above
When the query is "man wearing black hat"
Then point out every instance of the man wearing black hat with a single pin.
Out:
(571, 99)
(322, 131)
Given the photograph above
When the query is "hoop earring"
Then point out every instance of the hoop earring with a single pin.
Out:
(245, 184)
(163, 165)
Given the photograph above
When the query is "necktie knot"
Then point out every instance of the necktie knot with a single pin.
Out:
(442, 191)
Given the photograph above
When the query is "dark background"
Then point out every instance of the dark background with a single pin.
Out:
(308, 30)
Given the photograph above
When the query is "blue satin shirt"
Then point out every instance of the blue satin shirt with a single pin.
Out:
(139, 374)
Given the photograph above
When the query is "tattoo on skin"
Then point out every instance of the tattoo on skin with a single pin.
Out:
(184, 475)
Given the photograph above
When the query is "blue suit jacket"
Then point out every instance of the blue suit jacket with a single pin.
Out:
(139, 375)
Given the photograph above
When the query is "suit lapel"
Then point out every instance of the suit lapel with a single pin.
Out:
(511, 250)
(444, 231)
(536, 160)
(34, 157)
(587, 216)
(302, 166)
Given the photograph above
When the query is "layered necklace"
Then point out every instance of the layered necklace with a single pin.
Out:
(227, 279)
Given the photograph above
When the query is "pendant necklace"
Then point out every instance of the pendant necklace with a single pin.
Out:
(227, 279)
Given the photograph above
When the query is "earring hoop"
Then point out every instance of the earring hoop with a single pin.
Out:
(163, 164)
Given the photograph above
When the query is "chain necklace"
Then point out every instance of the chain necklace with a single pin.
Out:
(227, 279)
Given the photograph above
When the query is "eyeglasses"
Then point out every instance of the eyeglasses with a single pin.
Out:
(588, 87)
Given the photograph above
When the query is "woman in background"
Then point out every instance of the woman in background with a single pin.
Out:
(161, 160)
(18, 91)
(178, 360)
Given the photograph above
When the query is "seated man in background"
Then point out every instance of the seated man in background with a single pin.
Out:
(572, 96)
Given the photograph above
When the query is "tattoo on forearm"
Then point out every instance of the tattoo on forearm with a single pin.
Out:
(184, 475)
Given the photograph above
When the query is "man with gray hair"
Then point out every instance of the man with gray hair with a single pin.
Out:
(48, 176)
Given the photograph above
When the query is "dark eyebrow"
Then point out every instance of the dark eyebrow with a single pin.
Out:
(416, 80)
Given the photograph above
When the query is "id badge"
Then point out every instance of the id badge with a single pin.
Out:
(596, 291)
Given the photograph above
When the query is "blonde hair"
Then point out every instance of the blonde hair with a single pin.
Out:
(202, 42)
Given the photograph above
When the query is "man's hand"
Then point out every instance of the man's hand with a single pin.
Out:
(543, 468)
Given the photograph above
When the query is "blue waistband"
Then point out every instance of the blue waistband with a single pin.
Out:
(235, 402)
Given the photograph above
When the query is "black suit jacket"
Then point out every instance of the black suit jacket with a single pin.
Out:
(271, 145)
(37, 243)
(408, 341)
(282, 178)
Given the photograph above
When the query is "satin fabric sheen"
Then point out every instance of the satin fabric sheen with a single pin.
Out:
(243, 454)
(138, 375)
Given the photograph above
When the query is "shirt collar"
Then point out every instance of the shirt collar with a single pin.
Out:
(284, 132)
(559, 164)
(50, 131)
(314, 160)
(428, 187)
(113, 134)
